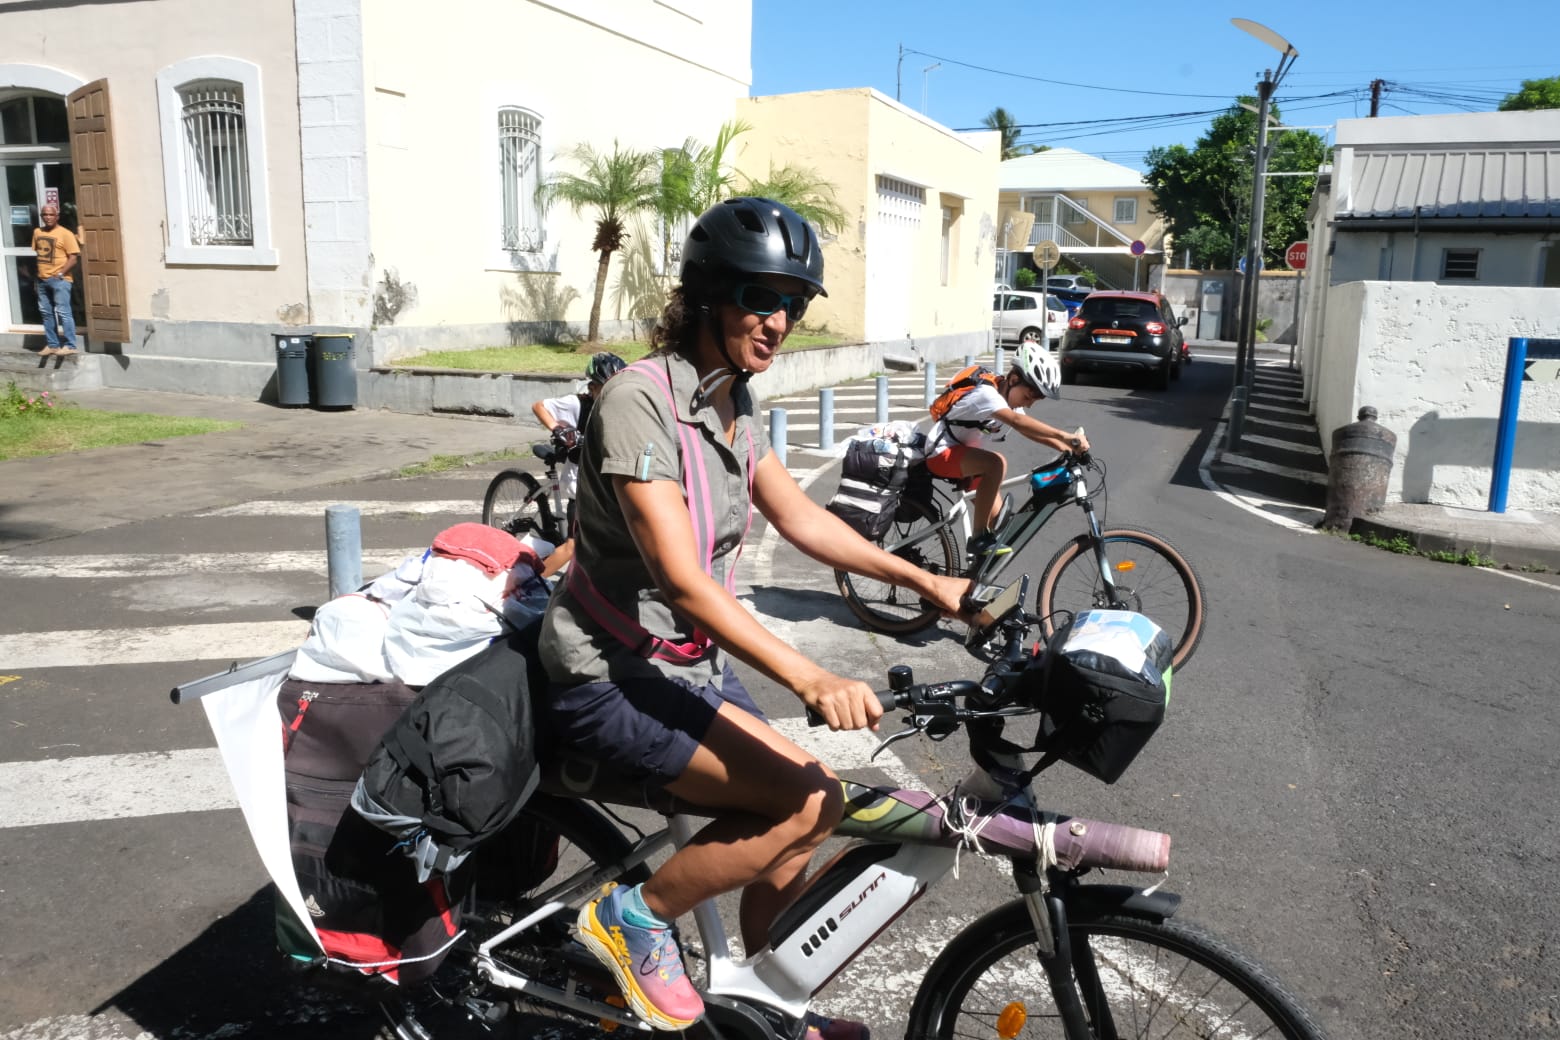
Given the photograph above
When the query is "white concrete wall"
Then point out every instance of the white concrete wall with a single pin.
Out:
(648, 75)
(1431, 360)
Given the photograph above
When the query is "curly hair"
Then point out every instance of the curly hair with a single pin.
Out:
(677, 329)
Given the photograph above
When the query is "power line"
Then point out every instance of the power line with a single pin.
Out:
(1055, 82)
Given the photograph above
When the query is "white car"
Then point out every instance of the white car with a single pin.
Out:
(1017, 317)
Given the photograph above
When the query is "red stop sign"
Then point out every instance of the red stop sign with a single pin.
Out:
(1295, 255)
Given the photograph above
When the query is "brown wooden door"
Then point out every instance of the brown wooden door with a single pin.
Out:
(97, 202)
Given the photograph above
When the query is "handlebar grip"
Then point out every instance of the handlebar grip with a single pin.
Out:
(887, 698)
(1092, 843)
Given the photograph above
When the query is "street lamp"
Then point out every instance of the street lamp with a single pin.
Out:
(1245, 353)
(924, 73)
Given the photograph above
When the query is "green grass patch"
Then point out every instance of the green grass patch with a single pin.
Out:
(32, 425)
(1402, 545)
(446, 463)
(559, 358)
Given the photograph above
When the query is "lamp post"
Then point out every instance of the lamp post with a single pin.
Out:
(1245, 352)
(924, 73)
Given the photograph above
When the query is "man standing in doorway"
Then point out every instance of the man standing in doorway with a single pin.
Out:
(58, 252)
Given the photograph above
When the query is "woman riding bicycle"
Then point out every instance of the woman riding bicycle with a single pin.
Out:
(636, 641)
(956, 446)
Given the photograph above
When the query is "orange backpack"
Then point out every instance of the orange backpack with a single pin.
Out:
(961, 384)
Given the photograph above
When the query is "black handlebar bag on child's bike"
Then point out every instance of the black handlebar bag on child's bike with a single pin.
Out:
(1103, 686)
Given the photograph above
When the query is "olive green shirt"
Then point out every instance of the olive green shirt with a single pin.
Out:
(633, 432)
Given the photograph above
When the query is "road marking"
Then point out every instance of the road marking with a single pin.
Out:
(113, 787)
(1252, 420)
(1273, 442)
(166, 565)
(1260, 466)
(240, 641)
(271, 507)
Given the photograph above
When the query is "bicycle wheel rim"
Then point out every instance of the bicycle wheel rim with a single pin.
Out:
(1151, 576)
(888, 608)
(513, 503)
(1136, 979)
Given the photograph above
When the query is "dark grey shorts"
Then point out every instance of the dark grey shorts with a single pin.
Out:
(645, 728)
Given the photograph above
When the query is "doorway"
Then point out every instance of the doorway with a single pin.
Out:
(36, 168)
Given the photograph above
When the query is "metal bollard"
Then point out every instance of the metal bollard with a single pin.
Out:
(826, 418)
(777, 433)
(1237, 419)
(931, 383)
(1358, 470)
(969, 359)
(344, 549)
(882, 399)
(997, 365)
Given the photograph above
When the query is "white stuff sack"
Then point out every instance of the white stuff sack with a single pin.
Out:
(448, 617)
(346, 643)
(393, 587)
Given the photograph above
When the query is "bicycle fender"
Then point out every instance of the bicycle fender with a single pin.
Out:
(1082, 900)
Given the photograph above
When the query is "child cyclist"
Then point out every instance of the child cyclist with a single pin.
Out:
(639, 639)
(565, 418)
(957, 444)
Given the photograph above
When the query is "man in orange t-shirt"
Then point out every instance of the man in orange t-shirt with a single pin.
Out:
(58, 252)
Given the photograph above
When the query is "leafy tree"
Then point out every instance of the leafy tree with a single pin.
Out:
(1204, 192)
(801, 189)
(1001, 119)
(615, 188)
(1535, 93)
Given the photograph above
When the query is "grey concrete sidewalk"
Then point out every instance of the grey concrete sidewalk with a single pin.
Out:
(276, 450)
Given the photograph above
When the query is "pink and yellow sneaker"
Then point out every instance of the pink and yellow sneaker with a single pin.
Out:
(645, 961)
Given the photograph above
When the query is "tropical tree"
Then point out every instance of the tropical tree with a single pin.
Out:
(614, 188)
(1002, 120)
(803, 190)
(1535, 93)
(1204, 192)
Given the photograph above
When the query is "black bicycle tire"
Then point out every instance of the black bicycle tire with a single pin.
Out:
(1053, 613)
(955, 974)
(943, 545)
(533, 493)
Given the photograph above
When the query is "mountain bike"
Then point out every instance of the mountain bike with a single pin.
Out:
(1070, 956)
(1122, 568)
(519, 503)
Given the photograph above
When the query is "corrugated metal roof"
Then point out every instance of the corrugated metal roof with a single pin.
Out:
(1065, 169)
(1491, 183)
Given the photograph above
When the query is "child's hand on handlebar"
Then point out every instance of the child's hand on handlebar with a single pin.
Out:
(1079, 442)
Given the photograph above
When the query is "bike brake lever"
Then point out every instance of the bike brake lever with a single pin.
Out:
(908, 731)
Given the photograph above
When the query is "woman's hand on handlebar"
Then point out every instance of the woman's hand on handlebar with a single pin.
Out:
(947, 592)
(842, 703)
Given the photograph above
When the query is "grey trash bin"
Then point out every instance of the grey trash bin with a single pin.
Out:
(292, 369)
(335, 378)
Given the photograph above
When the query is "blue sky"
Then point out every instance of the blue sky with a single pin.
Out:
(1156, 69)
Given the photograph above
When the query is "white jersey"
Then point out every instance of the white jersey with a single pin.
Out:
(977, 407)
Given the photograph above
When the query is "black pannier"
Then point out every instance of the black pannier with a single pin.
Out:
(872, 479)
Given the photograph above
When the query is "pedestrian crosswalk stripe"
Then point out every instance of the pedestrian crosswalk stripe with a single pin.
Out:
(113, 787)
(165, 565)
(1273, 442)
(471, 507)
(224, 641)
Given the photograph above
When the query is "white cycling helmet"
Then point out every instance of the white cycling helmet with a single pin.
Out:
(1039, 369)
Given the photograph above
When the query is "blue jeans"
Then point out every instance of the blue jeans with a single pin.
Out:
(54, 303)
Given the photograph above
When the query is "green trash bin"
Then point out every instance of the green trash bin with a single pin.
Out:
(292, 369)
(335, 378)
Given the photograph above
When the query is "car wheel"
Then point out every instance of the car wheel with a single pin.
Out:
(1029, 336)
(1161, 376)
(1175, 370)
(1069, 377)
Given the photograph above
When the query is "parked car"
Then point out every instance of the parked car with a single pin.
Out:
(1124, 332)
(1070, 282)
(1018, 317)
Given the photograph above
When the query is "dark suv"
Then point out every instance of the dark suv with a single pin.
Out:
(1123, 332)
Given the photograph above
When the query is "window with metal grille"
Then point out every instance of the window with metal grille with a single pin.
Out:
(216, 164)
(900, 202)
(520, 172)
(1460, 263)
(1126, 211)
(1071, 214)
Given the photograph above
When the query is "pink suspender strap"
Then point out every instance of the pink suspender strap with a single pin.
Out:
(628, 631)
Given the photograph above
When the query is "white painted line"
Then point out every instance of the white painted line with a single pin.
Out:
(1252, 420)
(238, 641)
(165, 565)
(264, 507)
(1274, 442)
(1259, 466)
(1233, 499)
(113, 787)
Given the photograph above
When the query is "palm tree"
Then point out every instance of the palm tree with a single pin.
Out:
(804, 191)
(615, 188)
(1001, 119)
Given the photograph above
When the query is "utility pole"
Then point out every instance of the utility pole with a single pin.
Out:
(1244, 348)
(899, 73)
(1375, 96)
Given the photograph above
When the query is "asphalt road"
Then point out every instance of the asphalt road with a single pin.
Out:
(1358, 766)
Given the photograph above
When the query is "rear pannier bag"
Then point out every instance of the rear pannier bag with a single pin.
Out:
(372, 914)
(1103, 688)
(872, 479)
(459, 763)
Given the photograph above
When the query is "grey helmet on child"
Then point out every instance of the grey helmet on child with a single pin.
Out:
(1039, 369)
(603, 366)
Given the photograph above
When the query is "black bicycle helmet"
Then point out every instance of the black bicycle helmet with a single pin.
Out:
(748, 236)
(603, 366)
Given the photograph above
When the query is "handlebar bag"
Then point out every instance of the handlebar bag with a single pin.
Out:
(1103, 688)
